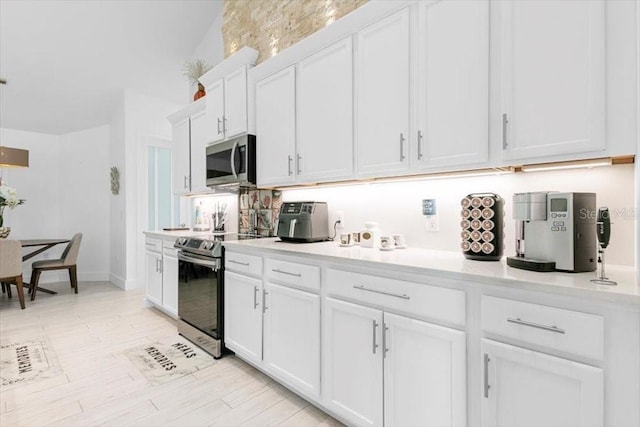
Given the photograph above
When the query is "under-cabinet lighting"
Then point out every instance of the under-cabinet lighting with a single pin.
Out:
(574, 164)
(14, 157)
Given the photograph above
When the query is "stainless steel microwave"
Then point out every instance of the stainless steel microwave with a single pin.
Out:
(232, 162)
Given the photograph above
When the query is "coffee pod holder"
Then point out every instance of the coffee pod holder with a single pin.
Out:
(482, 226)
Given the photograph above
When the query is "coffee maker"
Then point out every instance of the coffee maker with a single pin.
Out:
(555, 231)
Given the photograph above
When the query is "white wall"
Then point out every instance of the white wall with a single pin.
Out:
(63, 196)
(117, 206)
(210, 49)
(397, 207)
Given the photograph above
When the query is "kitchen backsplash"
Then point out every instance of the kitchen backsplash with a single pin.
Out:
(397, 206)
(259, 211)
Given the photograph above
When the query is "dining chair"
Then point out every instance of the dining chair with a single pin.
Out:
(11, 266)
(66, 262)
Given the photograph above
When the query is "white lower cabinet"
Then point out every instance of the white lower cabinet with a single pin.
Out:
(161, 265)
(243, 315)
(422, 367)
(170, 280)
(526, 388)
(292, 336)
(153, 262)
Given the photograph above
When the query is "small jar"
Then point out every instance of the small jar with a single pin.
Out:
(369, 237)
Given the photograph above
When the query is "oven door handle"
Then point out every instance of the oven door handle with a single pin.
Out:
(233, 159)
(214, 263)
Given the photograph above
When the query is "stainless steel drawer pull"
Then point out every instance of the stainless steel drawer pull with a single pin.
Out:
(505, 120)
(255, 297)
(402, 147)
(552, 328)
(375, 344)
(362, 288)
(276, 270)
(150, 244)
(419, 145)
(486, 375)
(232, 261)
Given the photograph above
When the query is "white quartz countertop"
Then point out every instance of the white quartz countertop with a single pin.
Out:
(453, 265)
(166, 235)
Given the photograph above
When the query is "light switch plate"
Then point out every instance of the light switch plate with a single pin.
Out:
(432, 223)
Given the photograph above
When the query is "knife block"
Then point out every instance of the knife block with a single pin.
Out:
(482, 226)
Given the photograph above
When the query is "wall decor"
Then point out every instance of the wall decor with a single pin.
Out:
(115, 180)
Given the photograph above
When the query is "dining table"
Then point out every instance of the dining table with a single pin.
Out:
(41, 245)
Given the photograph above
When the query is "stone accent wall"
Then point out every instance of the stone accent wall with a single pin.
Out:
(270, 26)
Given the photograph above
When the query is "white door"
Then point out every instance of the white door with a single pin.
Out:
(235, 102)
(215, 111)
(153, 263)
(424, 374)
(382, 96)
(352, 362)
(324, 107)
(243, 315)
(453, 83)
(275, 128)
(292, 337)
(180, 160)
(553, 77)
(201, 133)
(170, 280)
(526, 388)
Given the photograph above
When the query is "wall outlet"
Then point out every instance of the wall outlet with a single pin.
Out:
(432, 223)
(340, 217)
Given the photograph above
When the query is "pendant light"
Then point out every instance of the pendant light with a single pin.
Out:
(13, 157)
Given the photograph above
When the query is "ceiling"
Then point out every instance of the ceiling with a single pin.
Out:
(67, 62)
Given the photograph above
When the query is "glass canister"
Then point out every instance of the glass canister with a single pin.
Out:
(370, 235)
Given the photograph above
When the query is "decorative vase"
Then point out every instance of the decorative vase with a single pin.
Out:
(4, 232)
(200, 93)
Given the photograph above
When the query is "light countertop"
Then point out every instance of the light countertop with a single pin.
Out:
(453, 265)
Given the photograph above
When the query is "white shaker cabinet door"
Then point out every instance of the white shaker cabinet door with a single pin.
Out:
(352, 362)
(235, 103)
(292, 337)
(525, 388)
(243, 315)
(170, 281)
(382, 96)
(153, 263)
(180, 160)
(215, 111)
(324, 93)
(453, 83)
(202, 130)
(275, 129)
(552, 65)
(425, 374)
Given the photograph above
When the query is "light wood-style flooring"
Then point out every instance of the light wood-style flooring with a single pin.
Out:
(98, 385)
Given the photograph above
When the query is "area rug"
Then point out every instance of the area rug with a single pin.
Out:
(162, 362)
(27, 361)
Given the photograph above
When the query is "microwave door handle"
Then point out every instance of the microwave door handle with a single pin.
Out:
(233, 159)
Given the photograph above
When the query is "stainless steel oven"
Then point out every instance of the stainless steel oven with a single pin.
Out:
(232, 162)
(200, 292)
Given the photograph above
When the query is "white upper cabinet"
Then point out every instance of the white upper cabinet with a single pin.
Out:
(201, 130)
(275, 129)
(180, 161)
(215, 110)
(324, 91)
(552, 74)
(235, 103)
(382, 96)
(452, 84)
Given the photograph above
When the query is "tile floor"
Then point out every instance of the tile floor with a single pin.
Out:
(97, 385)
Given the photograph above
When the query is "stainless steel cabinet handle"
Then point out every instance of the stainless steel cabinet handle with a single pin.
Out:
(277, 270)
(233, 261)
(504, 131)
(486, 375)
(552, 328)
(255, 297)
(419, 145)
(298, 157)
(185, 181)
(385, 349)
(290, 159)
(224, 124)
(401, 147)
(375, 344)
(159, 266)
(362, 288)
(264, 300)
(219, 121)
(150, 244)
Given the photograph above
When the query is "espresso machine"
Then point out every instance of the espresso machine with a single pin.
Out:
(555, 232)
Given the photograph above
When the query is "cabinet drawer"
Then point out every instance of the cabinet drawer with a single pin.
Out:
(243, 263)
(154, 245)
(560, 329)
(446, 305)
(301, 275)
